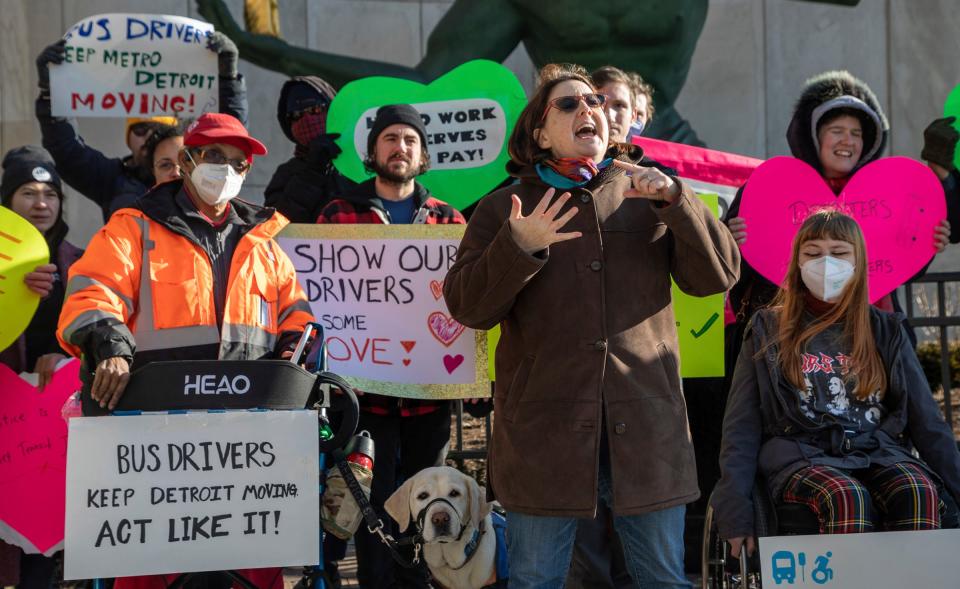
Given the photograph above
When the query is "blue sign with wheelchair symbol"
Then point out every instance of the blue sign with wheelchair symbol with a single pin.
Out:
(785, 564)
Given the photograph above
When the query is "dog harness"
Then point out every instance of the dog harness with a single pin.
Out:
(501, 563)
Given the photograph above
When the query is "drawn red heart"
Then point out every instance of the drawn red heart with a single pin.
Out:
(897, 201)
(445, 329)
(451, 363)
(436, 287)
(408, 345)
(406, 361)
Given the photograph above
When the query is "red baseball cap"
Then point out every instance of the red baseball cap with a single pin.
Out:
(214, 127)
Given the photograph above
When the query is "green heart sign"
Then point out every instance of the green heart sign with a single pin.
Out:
(469, 113)
(952, 109)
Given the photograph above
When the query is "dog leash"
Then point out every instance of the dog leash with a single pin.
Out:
(374, 523)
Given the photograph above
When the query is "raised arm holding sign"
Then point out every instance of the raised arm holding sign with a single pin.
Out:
(139, 67)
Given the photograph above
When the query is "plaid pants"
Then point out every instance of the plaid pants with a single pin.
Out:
(848, 502)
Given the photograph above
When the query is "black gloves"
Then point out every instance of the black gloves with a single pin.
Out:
(940, 143)
(227, 54)
(51, 54)
(323, 150)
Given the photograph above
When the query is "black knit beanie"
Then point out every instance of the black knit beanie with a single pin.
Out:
(27, 164)
(393, 114)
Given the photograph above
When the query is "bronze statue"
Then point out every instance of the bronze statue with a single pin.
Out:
(653, 37)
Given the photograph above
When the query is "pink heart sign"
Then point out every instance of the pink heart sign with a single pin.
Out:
(33, 458)
(897, 201)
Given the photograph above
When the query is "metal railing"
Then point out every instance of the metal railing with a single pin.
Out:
(939, 317)
(457, 451)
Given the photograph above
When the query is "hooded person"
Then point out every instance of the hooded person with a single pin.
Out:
(302, 186)
(838, 127)
(31, 187)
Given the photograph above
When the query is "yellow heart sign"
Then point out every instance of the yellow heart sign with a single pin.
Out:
(22, 248)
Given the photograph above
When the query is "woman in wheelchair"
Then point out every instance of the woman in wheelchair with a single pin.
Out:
(828, 400)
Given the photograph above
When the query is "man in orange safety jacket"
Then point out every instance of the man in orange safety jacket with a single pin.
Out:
(187, 272)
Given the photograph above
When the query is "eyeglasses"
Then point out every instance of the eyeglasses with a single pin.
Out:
(142, 129)
(216, 157)
(570, 103)
(166, 166)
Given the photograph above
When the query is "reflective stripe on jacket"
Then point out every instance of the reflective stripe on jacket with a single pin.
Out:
(144, 286)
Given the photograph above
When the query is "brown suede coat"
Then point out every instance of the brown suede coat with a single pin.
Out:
(588, 325)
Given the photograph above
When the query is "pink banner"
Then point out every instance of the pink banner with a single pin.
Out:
(33, 458)
(699, 163)
(897, 201)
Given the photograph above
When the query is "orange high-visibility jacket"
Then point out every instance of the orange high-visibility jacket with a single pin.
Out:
(144, 290)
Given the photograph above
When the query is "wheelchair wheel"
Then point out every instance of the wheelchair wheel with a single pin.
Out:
(718, 569)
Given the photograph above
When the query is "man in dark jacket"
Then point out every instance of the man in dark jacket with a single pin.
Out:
(302, 186)
(939, 149)
(114, 183)
(410, 434)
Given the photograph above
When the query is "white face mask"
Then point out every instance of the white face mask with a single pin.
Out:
(215, 183)
(826, 277)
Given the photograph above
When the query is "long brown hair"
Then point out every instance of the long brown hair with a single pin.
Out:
(852, 310)
(523, 147)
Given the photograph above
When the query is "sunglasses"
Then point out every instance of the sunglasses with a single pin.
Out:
(216, 157)
(570, 103)
(313, 110)
(142, 129)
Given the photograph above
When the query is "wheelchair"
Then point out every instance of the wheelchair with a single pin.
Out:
(721, 571)
(267, 385)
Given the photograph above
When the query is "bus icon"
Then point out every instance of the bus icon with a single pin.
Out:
(784, 567)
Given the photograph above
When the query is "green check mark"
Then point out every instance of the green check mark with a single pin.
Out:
(706, 326)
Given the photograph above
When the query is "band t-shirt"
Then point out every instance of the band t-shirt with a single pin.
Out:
(829, 384)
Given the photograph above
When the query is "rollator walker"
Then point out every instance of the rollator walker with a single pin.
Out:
(271, 385)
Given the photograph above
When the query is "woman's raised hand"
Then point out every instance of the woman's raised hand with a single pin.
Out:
(541, 228)
(649, 183)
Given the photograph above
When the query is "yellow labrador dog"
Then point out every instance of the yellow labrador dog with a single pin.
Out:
(454, 519)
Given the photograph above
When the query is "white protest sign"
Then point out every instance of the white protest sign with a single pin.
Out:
(461, 134)
(862, 561)
(207, 491)
(135, 65)
(377, 292)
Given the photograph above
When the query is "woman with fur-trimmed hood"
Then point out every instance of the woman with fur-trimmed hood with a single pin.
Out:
(838, 126)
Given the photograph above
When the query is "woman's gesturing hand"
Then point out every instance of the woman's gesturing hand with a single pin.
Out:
(541, 228)
(649, 183)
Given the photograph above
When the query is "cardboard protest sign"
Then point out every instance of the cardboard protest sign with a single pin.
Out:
(22, 248)
(469, 114)
(135, 65)
(897, 201)
(377, 291)
(207, 491)
(862, 561)
(33, 458)
(699, 327)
